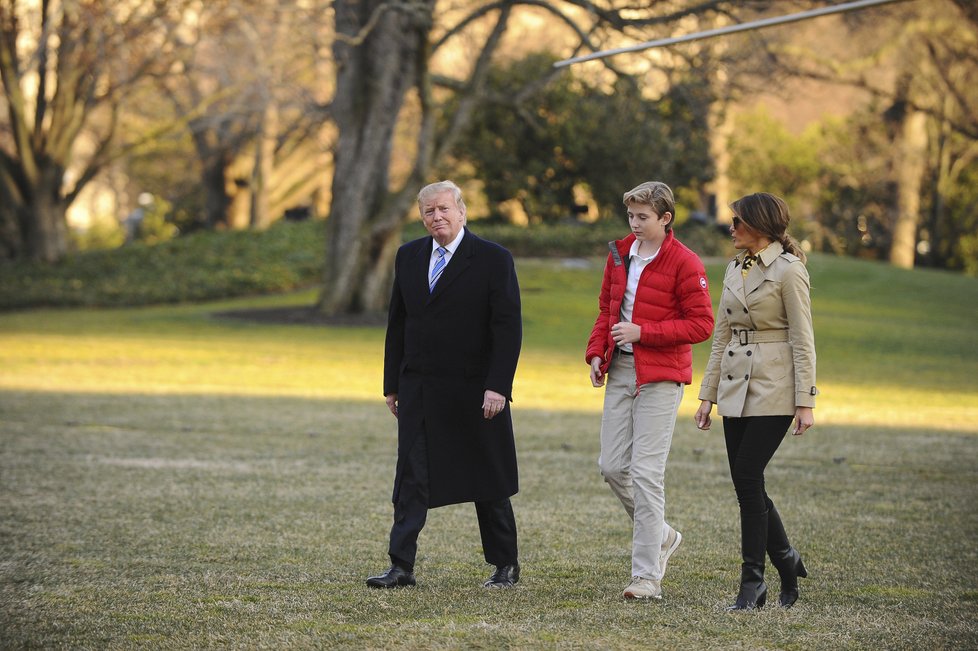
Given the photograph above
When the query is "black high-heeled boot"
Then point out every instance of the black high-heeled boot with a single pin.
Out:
(790, 570)
(784, 557)
(753, 544)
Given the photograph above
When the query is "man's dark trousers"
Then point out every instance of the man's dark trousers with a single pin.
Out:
(497, 524)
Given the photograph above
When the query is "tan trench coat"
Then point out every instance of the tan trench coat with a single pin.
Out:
(762, 362)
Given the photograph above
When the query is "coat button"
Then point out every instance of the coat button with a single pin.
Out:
(728, 311)
(746, 377)
(749, 353)
(730, 352)
(729, 377)
(745, 310)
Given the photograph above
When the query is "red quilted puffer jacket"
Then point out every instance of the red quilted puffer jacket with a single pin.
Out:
(672, 305)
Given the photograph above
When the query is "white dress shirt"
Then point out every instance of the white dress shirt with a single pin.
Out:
(451, 247)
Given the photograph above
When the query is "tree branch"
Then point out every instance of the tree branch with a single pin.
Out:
(43, 47)
(16, 101)
(415, 8)
(476, 84)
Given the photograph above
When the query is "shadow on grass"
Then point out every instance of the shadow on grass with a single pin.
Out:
(219, 520)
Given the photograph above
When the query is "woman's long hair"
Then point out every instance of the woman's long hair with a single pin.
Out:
(768, 214)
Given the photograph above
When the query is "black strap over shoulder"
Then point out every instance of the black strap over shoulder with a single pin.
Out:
(614, 254)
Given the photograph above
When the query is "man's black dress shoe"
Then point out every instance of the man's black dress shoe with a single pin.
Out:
(394, 577)
(505, 576)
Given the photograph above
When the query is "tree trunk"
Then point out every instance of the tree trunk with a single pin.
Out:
(33, 223)
(375, 71)
(376, 285)
(216, 199)
(11, 232)
(261, 178)
(720, 124)
(910, 165)
(47, 226)
(937, 256)
(238, 189)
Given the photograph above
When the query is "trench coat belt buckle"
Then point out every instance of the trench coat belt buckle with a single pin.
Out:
(746, 337)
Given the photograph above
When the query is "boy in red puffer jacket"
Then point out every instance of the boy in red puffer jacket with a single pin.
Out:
(654, 304)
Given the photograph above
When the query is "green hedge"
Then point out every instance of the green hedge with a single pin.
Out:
(289, 255)
(194, 267)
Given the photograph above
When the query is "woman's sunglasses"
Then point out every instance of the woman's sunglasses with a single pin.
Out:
(737, 222)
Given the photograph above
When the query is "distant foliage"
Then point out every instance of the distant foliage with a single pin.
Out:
(540, 148)
(768, 158)
(102, 234)
(196, 267)
(837, 177)
(150, 223)
(156, 225)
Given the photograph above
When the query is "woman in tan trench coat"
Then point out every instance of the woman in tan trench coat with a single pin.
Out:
(761, 375)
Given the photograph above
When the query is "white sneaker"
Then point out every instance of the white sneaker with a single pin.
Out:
(641, 588)
(669, 547)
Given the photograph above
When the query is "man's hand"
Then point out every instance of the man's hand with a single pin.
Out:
(492, 404)
(392, 403)
(597, 377)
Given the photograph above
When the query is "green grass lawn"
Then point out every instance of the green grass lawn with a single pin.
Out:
(169, 479)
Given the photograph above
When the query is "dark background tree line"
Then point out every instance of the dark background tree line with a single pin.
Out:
(236, 111)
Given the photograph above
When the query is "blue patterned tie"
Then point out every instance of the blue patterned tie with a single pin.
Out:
(439, 267)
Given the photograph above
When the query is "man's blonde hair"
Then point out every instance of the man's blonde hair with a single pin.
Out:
(438, 188)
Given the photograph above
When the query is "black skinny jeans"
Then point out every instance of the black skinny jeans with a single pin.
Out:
(751, 443)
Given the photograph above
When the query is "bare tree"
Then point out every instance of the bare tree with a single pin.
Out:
(245, 70)
(67, 67)
(385, 53)
(916, 60)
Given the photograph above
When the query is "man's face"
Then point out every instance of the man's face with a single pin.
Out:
(442, 217)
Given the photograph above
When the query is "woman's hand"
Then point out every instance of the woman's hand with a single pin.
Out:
(804, 419)
(702, 415)
(626, 332)
(597, 377)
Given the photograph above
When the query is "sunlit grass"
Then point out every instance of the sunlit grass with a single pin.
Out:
(893, 347)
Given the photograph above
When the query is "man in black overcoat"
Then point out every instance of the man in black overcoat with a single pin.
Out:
(453, 341)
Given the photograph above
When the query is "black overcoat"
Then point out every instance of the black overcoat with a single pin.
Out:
(443, 350)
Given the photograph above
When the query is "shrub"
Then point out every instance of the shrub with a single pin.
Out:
(195, 267)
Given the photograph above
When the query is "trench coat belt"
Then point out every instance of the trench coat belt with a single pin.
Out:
(759, 336)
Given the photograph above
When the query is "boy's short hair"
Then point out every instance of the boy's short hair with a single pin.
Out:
(655, 194)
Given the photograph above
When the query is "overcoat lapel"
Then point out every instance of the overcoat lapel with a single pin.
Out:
(755, 278)
(734, 281)
(765, 269)
(416, 279)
